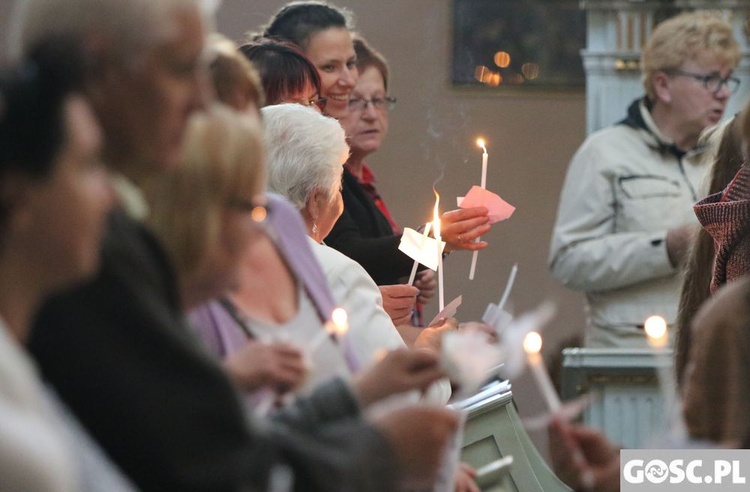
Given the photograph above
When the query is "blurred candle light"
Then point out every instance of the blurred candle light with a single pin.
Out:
(657, 335)
(656, 331)
(337, 328)
(532, 345)
(340, 320)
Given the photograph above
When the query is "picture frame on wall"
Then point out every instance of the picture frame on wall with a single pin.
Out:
(518, 45)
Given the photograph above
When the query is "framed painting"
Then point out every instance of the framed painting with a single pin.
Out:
(518, 45)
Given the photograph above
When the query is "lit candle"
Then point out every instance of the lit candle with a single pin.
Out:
(329, 331)
(436, 231)
(483, 184)
(336, 329)
(656, 331)
(532, 344)
(658, 339)
(421, 246)
(485, 156)
(340, 321)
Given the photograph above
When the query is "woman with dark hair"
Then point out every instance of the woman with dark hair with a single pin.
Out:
(324, 34)
(286, 74)
(54, 197)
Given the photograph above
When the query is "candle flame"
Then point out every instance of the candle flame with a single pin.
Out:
(480, 143)
(532, 343)
(436, 216)
(340, 321)
(656, 330)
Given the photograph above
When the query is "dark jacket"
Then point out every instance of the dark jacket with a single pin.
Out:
(363, 234)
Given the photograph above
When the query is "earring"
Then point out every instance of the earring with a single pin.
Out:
(315, 228)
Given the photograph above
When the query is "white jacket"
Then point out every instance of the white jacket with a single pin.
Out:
(355, 291)
(626, 186)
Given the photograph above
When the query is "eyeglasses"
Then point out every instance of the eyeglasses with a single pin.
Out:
(713, 82)
(318, 102)
(380, 103)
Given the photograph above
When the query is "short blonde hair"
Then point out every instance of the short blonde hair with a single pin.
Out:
(686, 37)
(223, 162)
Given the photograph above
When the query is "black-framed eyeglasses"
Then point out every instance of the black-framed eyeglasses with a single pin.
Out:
(380, 103)
(258, 208)
(713, 82)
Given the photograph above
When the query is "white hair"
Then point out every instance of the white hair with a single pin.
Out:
(305, 152)
(130, 26)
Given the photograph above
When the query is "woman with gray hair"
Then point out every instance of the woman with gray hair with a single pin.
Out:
(280, 292)
(306, 152)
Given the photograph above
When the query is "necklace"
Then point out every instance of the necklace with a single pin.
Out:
(233, 311)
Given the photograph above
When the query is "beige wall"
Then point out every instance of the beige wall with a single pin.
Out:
(530, 138)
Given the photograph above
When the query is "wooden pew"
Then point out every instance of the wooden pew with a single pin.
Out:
(492, 434)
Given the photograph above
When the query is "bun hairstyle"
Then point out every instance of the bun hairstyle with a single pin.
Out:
(296, 22)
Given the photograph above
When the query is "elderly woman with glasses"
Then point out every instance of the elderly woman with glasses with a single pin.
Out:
(367, 231)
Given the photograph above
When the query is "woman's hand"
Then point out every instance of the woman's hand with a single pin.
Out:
(399, 371)
(257, 364)
(399, 301)
(431, 337)
(480, 326)
(465, 479)
(427, 284)
(459, 228)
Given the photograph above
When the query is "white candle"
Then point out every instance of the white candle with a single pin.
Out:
(532, 344)
(658, 339)
(328, 331)
(485, 156)
(340, 321)
(483, 183)
(436, 233)
(421, 246)
(508, 286)
(441, 294)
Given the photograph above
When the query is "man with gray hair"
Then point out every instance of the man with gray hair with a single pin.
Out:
(625, 215)
(117, 349)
